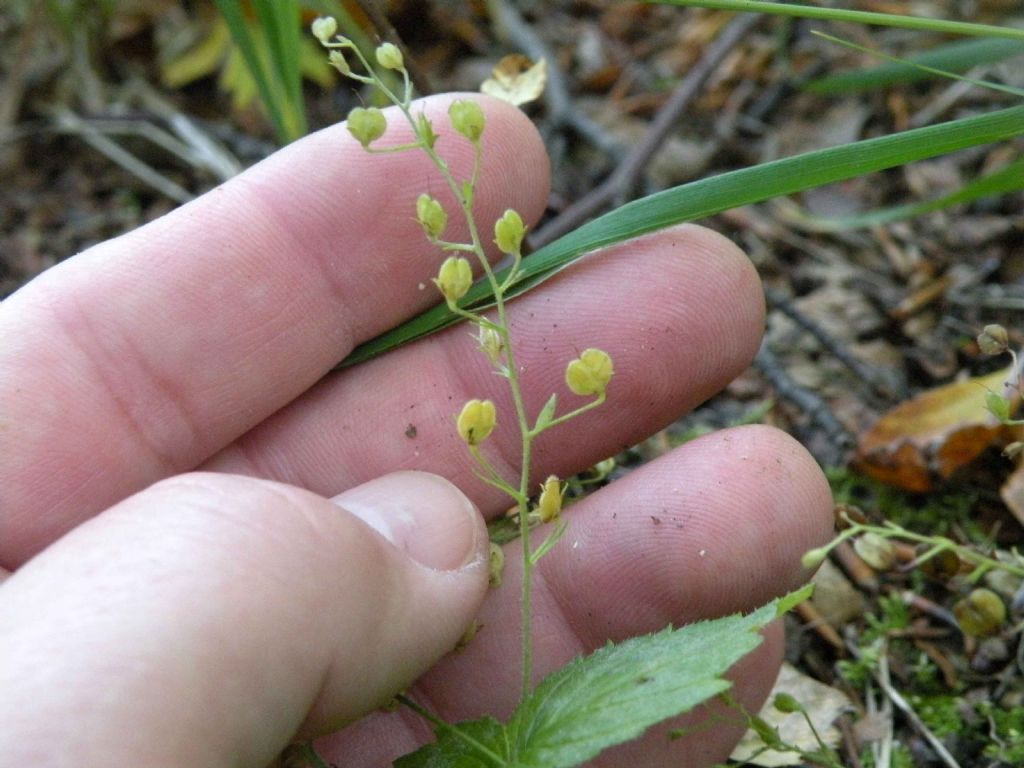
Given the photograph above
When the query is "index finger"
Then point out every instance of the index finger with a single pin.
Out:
(144, 355)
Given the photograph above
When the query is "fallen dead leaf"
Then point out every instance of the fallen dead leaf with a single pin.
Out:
(928, 438)
(516, 79)
(822, 703)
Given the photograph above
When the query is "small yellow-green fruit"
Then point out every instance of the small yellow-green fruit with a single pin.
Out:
(993, 340)
(324, 28)
(981, 613)
(877, 551)
(431, 216)
(550, 503)
(454, 278)
(389, 56)
(366, 125)
(467, 118)
(509, 231)
(476, 421)
(590, 373)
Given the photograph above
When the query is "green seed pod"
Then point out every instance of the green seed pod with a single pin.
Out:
(366, 125)
(877, 551)
(324, 28)
(431, 216)
(590, 373)
(467, 118)
(389, 56)
(509, 231)
(476, 421)
(981, 613)
(786, 704)
(454, 278)
(993, 340)
(550, 503)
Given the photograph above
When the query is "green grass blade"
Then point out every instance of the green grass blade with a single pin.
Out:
(232, 12)
(924, 68)
(707, 197)
(859, 17)
(958, 56)
(1009, 179)
(281, 24)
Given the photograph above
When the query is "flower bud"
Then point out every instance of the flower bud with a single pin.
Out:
(337, 60)
(550, 503)
(389, 56)
(467, 118)
(476, 421)
(998, 406)
(993, 340)
(509, 231)
(491, 344)
(590, 373)
(454, 278)
(981, 613)
(812, 558)
(366, 125)
(324, 28)
(431, 216)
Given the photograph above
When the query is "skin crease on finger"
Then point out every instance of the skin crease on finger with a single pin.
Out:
(185, 333)
(718, 525)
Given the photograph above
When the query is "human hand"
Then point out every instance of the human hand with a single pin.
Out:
(162, 618)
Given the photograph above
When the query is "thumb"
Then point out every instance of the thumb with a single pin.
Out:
(211, 619)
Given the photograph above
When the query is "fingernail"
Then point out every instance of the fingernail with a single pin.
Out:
(422, 514)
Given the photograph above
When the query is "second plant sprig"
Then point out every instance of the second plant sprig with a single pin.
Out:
(588, 375)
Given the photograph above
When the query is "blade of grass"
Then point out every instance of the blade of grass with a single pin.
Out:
(860, 17)
(231, 10)
(922, 67)
(958, 56)
(1009, 179)
(707, 197)
(280, 21)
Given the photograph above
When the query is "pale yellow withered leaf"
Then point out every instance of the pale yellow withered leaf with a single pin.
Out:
(516, 79)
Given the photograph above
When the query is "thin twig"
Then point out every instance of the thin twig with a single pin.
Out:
(867, 374)
(619, 186)
(387, 32)
(510, 25)
(816, 409)
(69, 122)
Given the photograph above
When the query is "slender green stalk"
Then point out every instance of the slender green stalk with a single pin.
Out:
(859, 17)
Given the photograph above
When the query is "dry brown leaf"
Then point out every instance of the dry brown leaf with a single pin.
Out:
(928, 438)
(516, 79)
(1012, 493)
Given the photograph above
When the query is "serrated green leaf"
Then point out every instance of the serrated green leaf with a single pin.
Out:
(474, 744)
(619, 691)
(787, 603)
